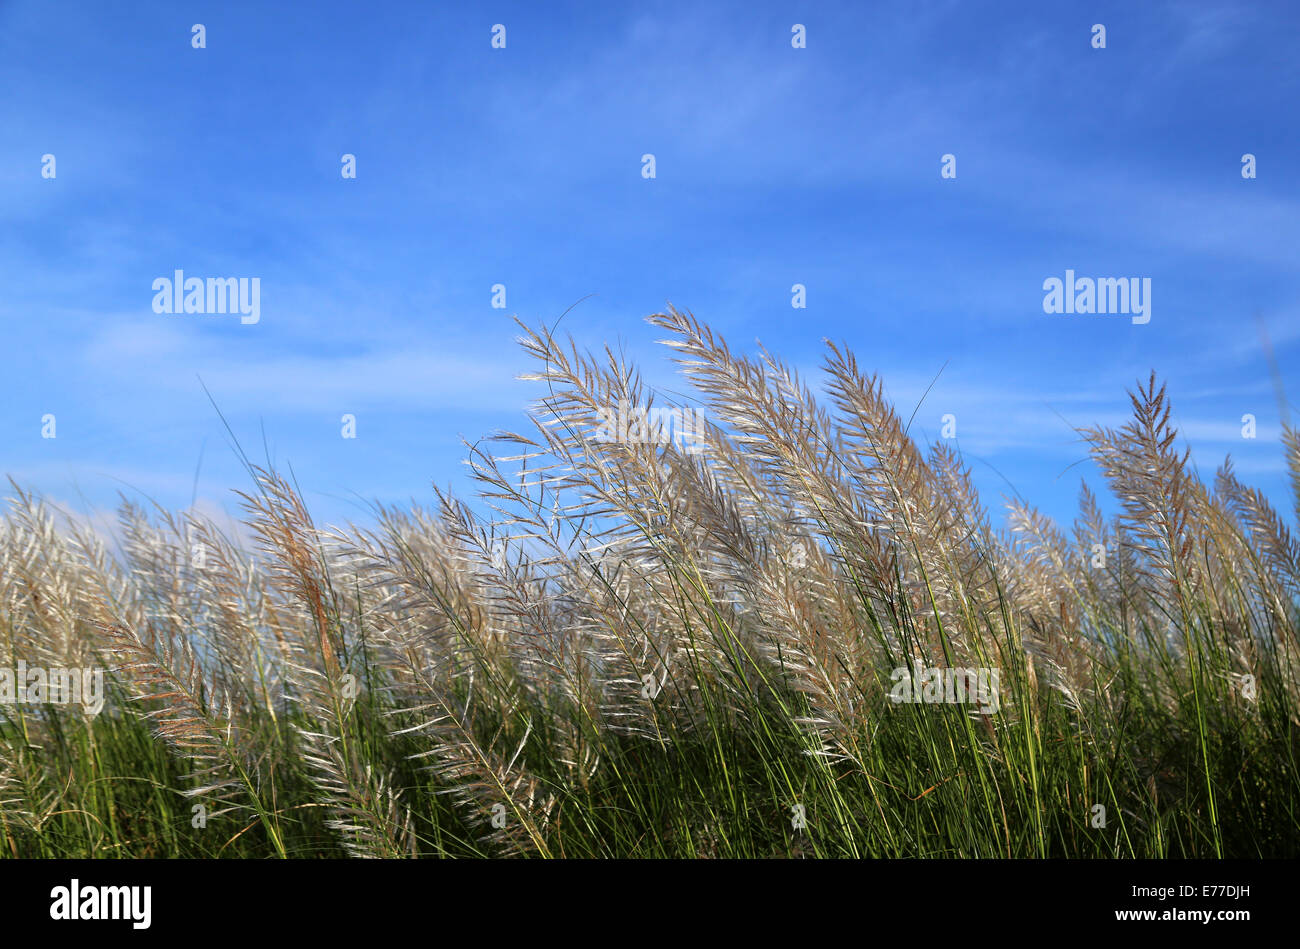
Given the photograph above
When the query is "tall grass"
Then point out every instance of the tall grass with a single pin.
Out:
(651, 652)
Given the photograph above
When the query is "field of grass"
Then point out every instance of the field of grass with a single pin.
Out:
(660, 649)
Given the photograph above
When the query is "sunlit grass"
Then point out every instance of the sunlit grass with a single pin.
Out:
(650, 651)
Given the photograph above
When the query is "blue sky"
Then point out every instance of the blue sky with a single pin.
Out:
(522, 166)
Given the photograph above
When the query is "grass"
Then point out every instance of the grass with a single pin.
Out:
(648, 651)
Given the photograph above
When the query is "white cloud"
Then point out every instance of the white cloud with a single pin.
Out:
(157, 361)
